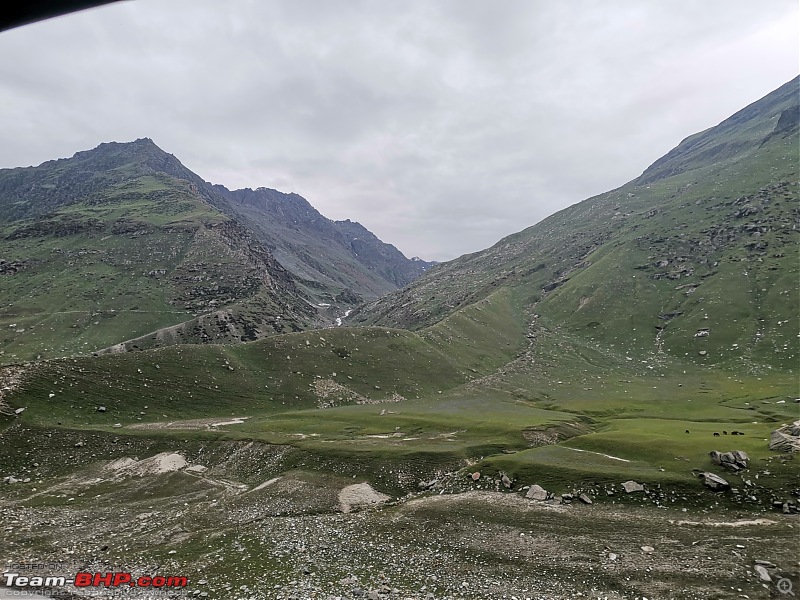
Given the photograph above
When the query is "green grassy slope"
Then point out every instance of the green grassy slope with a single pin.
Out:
(468, 390)
(123, 252)
(708, 238)
(326, 367)
(573, 354)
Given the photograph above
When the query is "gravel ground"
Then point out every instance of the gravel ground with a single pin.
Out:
(290, 540)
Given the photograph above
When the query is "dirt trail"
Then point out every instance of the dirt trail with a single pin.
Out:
(599, 454)
(189, 424)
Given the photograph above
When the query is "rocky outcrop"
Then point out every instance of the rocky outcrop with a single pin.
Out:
(12, 267)
(714, 482)
(786, 438)
(536, 492)
(730, 460)
(227, 264)
(62, 227)
(632, 486)
(328, 256)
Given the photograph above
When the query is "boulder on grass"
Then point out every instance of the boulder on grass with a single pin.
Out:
(632, 486)
(536, 492)
(714, 482)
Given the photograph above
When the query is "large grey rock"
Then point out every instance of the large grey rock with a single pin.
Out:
(536, 492)
(766, 563)
(786, 438)
(632, 486)
(763, 574)
(734, 461)
(741, 458)
(715, 482)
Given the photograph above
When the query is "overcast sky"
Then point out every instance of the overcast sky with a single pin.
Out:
(441, 125)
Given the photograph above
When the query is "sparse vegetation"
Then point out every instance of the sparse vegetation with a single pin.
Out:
(602, 355)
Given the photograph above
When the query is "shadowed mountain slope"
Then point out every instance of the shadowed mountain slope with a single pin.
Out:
(338, 261)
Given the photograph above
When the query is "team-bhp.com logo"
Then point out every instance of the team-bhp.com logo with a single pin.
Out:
(90, 580)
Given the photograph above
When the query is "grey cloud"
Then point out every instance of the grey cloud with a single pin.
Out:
(441, 125)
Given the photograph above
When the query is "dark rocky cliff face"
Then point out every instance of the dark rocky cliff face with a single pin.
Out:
(201, 284)
(384, 258)
(331, 257)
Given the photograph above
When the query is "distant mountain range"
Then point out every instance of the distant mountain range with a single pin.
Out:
(321, 253)
(122, 246)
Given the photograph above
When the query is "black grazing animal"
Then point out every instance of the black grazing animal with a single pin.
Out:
(687, 431)
(724, 433)
(716, 434)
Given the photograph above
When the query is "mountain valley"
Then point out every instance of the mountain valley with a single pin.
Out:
(136, 252)
(586, 409)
